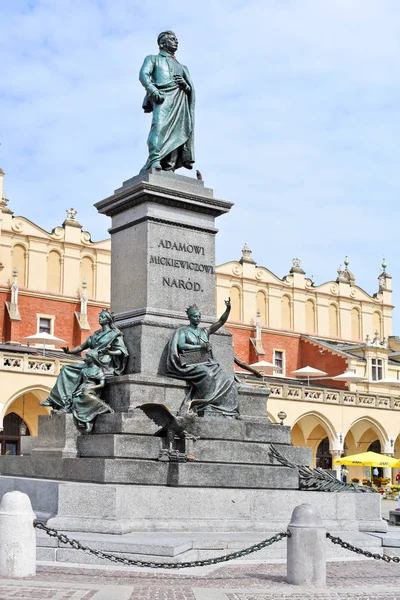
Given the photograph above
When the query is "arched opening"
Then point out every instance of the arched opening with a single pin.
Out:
(287, 322)
(87, 273)
(54, 272)
(310, 317)
(314, 431)
(333, 320)
(236, 304)
(355, 324)
(262, 306)
(10, 437)
(26, 406)
(377, 324)
(364, 435)
(323, 457)
(19, 262)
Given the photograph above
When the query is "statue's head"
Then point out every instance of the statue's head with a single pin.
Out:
(167, 40)
(194, 314)
(106, 317)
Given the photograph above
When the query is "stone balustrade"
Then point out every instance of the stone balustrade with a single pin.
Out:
(26, 363)
(333, 396)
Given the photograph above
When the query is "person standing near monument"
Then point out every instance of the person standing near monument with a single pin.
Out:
(170, 97)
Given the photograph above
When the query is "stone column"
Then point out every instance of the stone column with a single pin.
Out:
(387, 473)
(306, 548)
(17, 535)
(336, 454)
(389, 451)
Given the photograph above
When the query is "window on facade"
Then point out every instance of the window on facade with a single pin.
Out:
(44, 325)
(376, 369)
(279, 361)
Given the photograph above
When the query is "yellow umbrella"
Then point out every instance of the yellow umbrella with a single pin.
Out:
(367, 459)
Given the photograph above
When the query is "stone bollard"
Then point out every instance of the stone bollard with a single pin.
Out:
(17, 536)
(306, 548)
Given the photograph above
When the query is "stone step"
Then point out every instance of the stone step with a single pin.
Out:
(126, 392)
(252, 430)
(95, 470)
(223, 451)
(193, 474)
(147, 472)
(69, 555)
(182, 547)
(120, 446)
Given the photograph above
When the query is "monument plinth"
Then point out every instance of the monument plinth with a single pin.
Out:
(162, 260)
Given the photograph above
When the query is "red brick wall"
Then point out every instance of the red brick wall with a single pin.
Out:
(298, 353)
(321, 358)
(245, 350)
(65, 323)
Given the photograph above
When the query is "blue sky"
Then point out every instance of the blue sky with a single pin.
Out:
(297, 120)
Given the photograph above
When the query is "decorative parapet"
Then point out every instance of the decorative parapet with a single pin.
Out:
(25, 363)
(326, 396)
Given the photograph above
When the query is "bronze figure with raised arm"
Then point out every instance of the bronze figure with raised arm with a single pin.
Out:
(212, 391)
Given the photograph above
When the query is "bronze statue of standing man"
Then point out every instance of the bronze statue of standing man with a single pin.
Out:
(170, 97)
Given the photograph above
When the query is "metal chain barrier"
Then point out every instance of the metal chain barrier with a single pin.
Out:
(347, 546)
(154, 565)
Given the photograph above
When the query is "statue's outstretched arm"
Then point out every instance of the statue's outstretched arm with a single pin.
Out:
(222, 320)
(77, 349)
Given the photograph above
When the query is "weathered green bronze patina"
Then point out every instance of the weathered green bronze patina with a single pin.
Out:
(76, 388)
(170, 97)
(213, 392)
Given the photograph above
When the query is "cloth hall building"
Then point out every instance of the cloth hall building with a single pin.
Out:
(59, 281)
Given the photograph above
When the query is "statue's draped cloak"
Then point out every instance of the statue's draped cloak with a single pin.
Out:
(71, 377)
(172, 127)
(208, 381)
(86, 407)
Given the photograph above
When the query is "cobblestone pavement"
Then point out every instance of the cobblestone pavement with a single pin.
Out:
(356, 580)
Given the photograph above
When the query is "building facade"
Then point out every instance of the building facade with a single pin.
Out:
(335, 327)
(55, 282)
(59, 281)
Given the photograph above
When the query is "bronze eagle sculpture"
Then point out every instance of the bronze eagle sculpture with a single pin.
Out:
(171, 425)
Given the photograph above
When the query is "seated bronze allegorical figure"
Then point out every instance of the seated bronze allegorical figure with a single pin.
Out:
(73, 391)
(212, 391)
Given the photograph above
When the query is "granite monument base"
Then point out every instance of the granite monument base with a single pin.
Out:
(120, 509)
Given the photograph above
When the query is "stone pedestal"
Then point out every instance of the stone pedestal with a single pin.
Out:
(162, 261)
